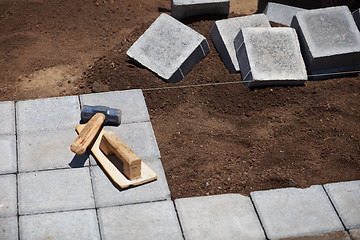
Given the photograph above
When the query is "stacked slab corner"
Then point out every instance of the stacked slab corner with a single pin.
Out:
(269, 57)
(330, 41)
(224, 31)
(356, 16)
(280, 13)
(187, 8)
(169, 48)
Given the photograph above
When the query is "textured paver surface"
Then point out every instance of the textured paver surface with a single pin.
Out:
(293, 212)
(141, 221)
(269, 56)
(224, 31)
(187, 8)
(346, 198)
(230, 216)
(169, 48)
(280, 13)
(330, 40)
(49, 193)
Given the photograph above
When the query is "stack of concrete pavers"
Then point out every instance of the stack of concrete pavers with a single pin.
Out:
(224, 32)
(269, 56)
(330, 41)
(280, 13)
(356, 16)
(169, 48)
(187, 8)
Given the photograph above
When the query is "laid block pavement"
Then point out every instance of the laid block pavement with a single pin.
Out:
(48, 193)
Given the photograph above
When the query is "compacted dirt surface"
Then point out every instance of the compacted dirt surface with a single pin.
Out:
(215, 135)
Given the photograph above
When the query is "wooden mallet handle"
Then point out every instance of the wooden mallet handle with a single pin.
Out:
(87, 135)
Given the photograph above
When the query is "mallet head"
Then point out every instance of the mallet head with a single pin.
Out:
(112, 115)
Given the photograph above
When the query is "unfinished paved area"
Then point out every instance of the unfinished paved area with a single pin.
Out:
(64, 196)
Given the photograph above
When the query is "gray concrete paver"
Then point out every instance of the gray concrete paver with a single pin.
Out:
(280, 13)
(337, 235)
(9, 228)
(55, 190)
(292, 212)
(228, 216)
(146, 221)
(130, 102)
(48, 150)
(224, 31)
(7, 118)
(47, 114)
(169, 48)
(108, 194)
(60, 225)
(8, 195)
(269, 56)
(8, 162)
(346, 198)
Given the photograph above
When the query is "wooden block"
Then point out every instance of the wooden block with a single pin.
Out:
(130, 163)
(147, 174)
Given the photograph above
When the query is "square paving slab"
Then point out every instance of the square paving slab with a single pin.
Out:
(8, 195)
(269, 56)
(61, 225)
(330, 41)
(7, 118)
(224, 31)
(108, 194)
(146, 221)
(280, 13)
(8, 163)
(131, 103)
(47, 114)
(169, 48)
(187, 8)
(230, 216)
(292, 212)
(346, 198)
(9, 228)
(48, 150)
(56, 190)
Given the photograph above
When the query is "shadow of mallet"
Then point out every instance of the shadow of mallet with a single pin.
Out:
(96, 117)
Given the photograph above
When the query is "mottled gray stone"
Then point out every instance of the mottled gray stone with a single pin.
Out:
(330, 41)
(146, 221)
(48, 150)
(108, 194)
(269, 56)
(280, 13)
(187, 8)
(47, 114)
(356, 15)
(61, 225)
(169, 48)
(7, 118)
(130, 102)
(7, 154)
(229, 216)
(224, 31)
(8, 195)
(57, 190)
(355, 234)
(292, 212)
(346, 198)
(9, 228)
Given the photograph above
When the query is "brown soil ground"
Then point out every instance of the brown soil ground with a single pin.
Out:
(213, 139)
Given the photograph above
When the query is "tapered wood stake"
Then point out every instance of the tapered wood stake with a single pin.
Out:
(130, 164)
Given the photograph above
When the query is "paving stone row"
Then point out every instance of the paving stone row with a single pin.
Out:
(280, 13)
(64, 201)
